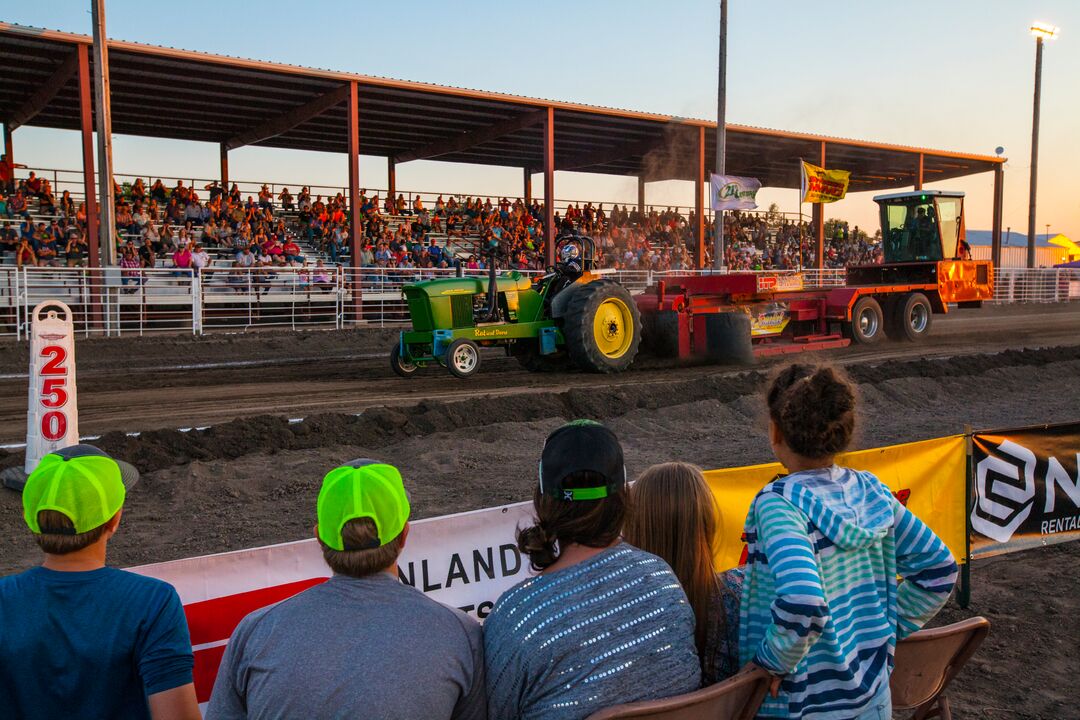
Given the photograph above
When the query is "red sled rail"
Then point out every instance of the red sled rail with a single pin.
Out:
(735, 316)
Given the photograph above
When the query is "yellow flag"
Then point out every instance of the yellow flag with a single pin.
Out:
(928, 477)
(823, 186)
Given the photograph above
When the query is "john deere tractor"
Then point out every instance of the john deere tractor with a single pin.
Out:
(568, 318)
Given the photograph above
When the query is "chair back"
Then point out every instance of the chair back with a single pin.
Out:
(737, 698)
(927, 661)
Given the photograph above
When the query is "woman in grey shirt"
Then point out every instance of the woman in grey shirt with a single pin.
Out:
(603, 623)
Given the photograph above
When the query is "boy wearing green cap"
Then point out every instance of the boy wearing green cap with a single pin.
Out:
(78, 639)
(361, 644)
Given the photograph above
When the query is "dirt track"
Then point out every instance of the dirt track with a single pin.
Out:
(253, 477)
(148, 383)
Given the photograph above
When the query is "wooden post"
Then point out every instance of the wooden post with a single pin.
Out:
(528, 186)
(549, 188)
(919, 173)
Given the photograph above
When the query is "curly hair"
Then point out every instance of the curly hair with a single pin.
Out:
(814, 408)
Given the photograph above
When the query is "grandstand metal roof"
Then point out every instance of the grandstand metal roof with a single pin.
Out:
(184, 95)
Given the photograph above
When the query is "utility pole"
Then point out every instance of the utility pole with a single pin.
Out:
(721, 138)
(102, 94)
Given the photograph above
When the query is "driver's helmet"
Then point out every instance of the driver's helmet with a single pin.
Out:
(569, 253)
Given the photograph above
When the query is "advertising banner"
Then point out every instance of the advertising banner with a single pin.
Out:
(927, 477)
(469, 559)
(1026, 488)
(823, 186)
(465, 560)
(730, 192)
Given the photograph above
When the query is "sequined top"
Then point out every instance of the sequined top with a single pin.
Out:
(613, 629)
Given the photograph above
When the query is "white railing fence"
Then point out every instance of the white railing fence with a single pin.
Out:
(113, 302)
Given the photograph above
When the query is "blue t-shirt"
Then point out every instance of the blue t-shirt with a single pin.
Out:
(89, 644)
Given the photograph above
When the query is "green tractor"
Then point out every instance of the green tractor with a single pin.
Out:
(568, 318)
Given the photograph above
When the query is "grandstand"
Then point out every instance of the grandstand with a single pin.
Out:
(267, 104)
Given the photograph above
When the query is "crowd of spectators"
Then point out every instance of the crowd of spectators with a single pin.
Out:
(185, 229)
(625, 602)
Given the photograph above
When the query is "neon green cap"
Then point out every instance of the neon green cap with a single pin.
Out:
(82, 482)
(358, 489)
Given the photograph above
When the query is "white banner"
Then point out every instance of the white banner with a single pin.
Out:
(730, 192)
(465, 560)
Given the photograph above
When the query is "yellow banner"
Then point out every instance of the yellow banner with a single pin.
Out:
(928, 477)
(823, 186)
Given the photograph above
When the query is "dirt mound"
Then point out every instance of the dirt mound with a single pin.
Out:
(380, 426)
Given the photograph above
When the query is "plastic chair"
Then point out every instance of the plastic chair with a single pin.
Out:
(927, 661)
(737, 698)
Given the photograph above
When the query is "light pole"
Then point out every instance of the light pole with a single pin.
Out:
(721, 138)
(1041, 31)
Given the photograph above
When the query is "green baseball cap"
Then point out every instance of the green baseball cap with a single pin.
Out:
(80, 481)
(362, 488)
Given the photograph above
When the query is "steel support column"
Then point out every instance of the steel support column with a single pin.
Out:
(699, 194)
(391, 178)
(224, 150)
(89, 189)
(641, 195)
(819, 222)
(103, 118)
(355, 226)
(527, 189)
(9, 147)
(999, 196)
(549, 188)
(86, 122)
(919, 173)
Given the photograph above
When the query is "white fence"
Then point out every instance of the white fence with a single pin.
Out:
(116, 301)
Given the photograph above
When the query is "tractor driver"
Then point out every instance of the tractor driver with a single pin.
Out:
(570, 259)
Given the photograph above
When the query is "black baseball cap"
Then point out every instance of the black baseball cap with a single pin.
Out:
(582, 446)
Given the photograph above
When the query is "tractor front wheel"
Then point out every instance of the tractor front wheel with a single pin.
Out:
(401, 366)
(602, 327)
(463, 358)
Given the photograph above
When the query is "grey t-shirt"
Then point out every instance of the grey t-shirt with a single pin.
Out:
(365, 648)
(613, 629)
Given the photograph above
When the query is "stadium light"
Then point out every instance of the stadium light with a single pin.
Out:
(1040, 31)
(1044, 30)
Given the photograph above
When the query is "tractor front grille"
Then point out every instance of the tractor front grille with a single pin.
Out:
(461, 310)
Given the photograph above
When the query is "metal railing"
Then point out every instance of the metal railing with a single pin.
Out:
(113, 302)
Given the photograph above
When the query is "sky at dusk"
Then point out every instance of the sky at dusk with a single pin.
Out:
(956, 76)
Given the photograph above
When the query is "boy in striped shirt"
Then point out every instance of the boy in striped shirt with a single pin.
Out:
(822, 609)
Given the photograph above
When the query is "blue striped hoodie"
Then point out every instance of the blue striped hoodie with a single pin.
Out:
(821, 604)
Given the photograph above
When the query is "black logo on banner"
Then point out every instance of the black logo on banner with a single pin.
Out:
(1027, 483)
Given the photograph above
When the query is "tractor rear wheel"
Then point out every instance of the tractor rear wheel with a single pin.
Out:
(729, 338)
(867, 322)
(912, 318)
(602, 327)
(401, 367)
(463, 358)
(666, 329)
